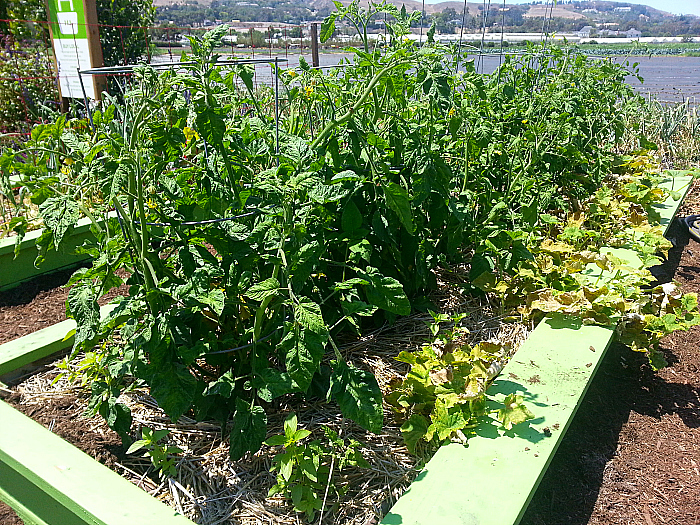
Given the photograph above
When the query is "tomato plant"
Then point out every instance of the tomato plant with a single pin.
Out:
(247, 257)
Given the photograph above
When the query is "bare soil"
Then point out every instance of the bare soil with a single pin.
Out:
(39, 303)
(631, 456)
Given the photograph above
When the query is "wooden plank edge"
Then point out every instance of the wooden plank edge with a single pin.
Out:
(50, 481)
(54, 262)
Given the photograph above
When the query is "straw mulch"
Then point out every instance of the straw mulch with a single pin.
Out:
(211, 489)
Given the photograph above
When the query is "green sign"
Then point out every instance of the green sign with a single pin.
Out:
(70, 45)
(67, 18)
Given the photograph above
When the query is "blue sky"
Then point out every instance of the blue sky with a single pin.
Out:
(678, 7)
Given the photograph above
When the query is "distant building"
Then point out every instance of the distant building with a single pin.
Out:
(633, 33)
(623, 9)
(592, 11)
(585, 32)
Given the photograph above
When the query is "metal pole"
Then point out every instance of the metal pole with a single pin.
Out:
(85, 98)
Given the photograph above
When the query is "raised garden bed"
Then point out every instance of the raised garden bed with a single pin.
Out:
(259, 243)
(554, 382)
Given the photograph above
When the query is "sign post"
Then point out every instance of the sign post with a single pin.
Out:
(75, 37)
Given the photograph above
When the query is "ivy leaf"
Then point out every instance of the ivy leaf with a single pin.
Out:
(83, 307)
(386, 292)
(413, 430)
(398, 200)
(514, 412)
(59, 214)
(261, 290)
(249, 429)
(358, 394)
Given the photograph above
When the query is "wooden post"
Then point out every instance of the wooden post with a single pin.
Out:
(93, 36)
(314, 45)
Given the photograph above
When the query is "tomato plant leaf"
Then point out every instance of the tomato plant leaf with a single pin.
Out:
(308, 314)
(59, 214)
(399, 202)
(303, 350)
(261, 290)
(358, 394)
(249, 429)
(325, 193)
(173, 387)
(351, 219)
(83, 307)
(386, 292)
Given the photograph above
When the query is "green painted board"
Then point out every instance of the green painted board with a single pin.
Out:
(678, 181)
(49, 481)
(16, 270)
(42, 343)
(491, 481)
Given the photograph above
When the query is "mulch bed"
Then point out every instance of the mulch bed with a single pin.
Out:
(631, 456)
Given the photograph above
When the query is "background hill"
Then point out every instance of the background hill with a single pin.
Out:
(603, 16)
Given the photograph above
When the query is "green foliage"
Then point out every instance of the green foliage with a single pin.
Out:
(162, 455)
(305, 471)
(442, 395)
(124, 36)
(246, 263)
(24, 100)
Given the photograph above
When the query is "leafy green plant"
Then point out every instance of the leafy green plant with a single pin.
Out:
(305, 471)
(161, 455)
(248, 257)
(442, 395)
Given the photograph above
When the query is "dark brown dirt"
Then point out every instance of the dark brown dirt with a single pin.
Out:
(632, 454)
(38, 303)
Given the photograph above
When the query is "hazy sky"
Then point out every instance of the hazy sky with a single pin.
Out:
(678, 7)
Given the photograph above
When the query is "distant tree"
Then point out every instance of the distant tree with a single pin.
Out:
(124, 33)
